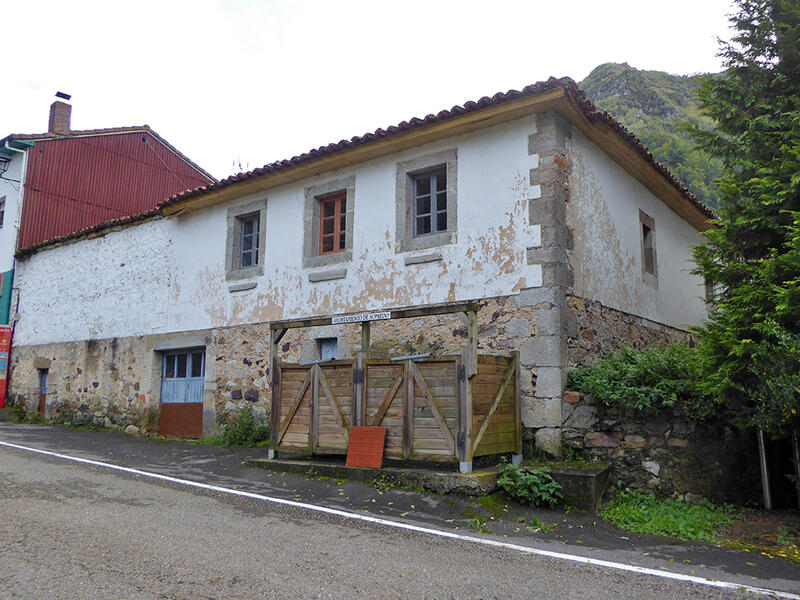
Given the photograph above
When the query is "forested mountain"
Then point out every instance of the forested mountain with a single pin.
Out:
(653, 105)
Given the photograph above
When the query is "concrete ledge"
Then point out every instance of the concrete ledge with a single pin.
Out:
(477, 483)
(582, 488)
(327, 275)
(241, 287)
(423, 258)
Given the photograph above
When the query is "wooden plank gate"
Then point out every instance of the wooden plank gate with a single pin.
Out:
(429, 406)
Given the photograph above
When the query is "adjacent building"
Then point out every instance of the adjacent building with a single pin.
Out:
(57, 183)
(546, 212)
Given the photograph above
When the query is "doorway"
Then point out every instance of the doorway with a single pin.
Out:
(182, 382)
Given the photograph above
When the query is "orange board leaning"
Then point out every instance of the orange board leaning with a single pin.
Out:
(366, 447)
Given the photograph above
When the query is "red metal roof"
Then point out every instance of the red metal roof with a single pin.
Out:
(79, 180)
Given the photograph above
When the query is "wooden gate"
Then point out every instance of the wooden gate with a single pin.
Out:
(430, 407)
(314, 406)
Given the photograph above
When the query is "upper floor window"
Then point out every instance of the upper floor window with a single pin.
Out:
(647, 226)
(328, 222)
(333, 223)
(426, 206)
(244, 250)
(430, 202)
(248, 242)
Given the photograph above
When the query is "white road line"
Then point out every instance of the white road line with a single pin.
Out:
(416, 528)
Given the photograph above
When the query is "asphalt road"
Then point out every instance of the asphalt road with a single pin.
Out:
(75, 531)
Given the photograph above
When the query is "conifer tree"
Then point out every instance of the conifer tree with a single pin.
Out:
(751, 343)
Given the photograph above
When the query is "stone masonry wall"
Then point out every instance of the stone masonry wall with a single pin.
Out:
(666, 452)
(594, 331)
(116, 382)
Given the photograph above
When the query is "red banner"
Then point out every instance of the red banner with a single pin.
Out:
(5, 348)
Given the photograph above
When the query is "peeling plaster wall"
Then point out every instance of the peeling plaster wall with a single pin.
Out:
(606, 260)
(169, 274)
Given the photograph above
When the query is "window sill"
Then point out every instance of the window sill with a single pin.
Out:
(323, 260)
(241, 287)
(424, 242)
(420, 259)
(329, 275)
(247, 273)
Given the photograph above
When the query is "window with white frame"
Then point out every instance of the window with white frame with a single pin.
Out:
(426, 201)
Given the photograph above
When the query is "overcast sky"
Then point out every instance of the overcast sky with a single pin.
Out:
(261, 80)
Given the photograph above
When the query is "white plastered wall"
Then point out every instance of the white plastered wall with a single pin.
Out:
(603, 213)
(10, 187)
(168, 275)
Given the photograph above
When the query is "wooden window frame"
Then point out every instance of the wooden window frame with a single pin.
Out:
(434, 212)
(339, 219)
(647, 225)
(237, 216)
(254, 250)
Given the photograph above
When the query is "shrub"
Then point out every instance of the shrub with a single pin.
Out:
(246, 430)
(529, 485)
(650, 380)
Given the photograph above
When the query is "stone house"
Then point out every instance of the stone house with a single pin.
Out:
(546, 211)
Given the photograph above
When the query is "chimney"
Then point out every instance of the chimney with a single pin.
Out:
(59, 115)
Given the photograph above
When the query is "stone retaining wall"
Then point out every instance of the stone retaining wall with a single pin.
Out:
(666, 452)
(594, 331)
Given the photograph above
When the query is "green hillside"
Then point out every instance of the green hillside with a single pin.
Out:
(653, 105)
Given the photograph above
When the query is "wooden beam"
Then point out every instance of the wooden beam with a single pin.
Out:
(408, 411)
(275, 336)
(472, 334)
(365, 326)
(397, 313)
(387, 400)
(313, 417)
(465, 405)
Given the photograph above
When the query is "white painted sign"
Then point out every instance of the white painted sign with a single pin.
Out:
(363, 317)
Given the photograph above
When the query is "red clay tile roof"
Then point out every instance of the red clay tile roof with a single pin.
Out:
(590, 111)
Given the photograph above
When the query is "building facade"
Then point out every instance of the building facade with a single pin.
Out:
(547, 212)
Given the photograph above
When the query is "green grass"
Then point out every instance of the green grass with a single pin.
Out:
(640, 512)
(478, 523)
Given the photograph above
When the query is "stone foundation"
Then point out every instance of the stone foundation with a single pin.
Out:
(666, 452)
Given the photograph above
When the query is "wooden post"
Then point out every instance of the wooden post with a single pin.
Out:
(275, 336)
(359, 391)
(472, 333)
(464, 439)
(365, 338)
(313, 417)
(516, 458)
(408, 411)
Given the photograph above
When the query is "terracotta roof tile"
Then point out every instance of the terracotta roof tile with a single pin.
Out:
(591, 112)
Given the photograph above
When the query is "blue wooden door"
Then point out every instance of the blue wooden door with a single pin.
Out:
(182, 381)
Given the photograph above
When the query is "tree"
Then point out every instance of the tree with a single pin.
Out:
(751, 344)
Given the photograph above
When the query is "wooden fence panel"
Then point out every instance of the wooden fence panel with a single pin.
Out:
(494, 406)
(385, 402)
(334, 414)
(435, 406)
(294, 424)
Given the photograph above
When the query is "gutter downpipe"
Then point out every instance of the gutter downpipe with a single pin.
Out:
(23, 178)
